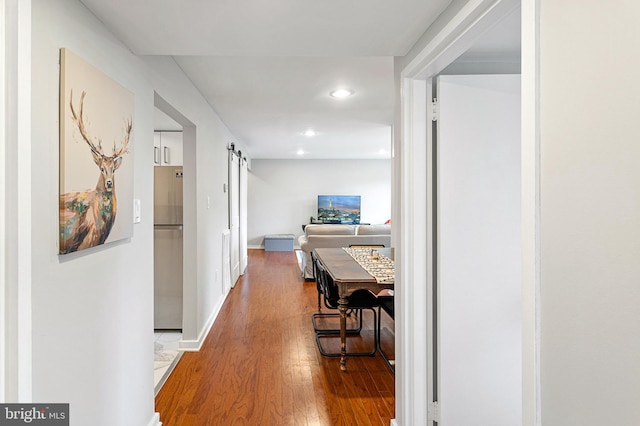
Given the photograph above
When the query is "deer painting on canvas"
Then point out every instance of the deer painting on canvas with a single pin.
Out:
(86, 217)
(89, 215)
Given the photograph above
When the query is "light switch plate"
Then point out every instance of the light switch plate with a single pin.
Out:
(136, 210)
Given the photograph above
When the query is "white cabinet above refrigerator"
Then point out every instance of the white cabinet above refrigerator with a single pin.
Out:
(167, 148)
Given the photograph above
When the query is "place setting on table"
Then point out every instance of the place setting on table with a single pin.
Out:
(374, 262)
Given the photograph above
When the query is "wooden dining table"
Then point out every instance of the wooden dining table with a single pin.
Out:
(349, 276)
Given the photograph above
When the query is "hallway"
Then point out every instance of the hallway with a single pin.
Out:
(260, 365)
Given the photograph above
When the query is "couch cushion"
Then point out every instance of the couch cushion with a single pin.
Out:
(374, 230)
(330, 230)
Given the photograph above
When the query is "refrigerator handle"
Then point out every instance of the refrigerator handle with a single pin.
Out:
(168, 226)
(156, 155)
(166, 155)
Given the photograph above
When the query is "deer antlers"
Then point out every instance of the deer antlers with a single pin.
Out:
(125, 144)
(97, 150)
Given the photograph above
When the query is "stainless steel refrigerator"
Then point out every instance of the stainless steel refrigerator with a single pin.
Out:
(168, 226)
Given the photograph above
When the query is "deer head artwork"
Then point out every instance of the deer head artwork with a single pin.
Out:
(86, 218)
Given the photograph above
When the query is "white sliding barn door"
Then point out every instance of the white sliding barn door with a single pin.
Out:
(243, 216)
(234, 215)
(479, 250)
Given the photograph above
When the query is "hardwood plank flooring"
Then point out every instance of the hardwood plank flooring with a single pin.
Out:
(260, 365)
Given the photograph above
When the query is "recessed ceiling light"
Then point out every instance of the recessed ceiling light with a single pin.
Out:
(341, 93)
(309, 133)
(300, 152)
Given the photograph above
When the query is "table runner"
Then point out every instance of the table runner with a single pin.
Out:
(382, 269)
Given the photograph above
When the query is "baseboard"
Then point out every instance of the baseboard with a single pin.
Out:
(262, 247)
(393, 422)
(195, 345)
(155, 420)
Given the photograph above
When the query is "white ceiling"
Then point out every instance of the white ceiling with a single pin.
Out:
(267, 67)
(268, 102)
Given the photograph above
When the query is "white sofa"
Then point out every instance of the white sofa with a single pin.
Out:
(339, 236)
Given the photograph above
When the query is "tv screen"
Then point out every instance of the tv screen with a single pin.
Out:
(339, 209)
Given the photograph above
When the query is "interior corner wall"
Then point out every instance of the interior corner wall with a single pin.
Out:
(283, 194)
(590, 232)
(93, 310)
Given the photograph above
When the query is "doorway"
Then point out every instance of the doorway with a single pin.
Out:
(168, 226)
(175, 250)
(419, 376)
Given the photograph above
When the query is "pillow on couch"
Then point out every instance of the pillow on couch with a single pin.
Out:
(330, 230)
(373, 230)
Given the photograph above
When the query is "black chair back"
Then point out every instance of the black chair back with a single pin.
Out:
(327, 286)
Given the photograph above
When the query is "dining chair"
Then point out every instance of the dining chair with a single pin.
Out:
(385, 303)
(357, 301)
(315, 317)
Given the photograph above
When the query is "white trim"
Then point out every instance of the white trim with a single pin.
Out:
(530, 151)
(411, 297)
(4, 365)
(196, 345)
(16, 370)
(155, 420)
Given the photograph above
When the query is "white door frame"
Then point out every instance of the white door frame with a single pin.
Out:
(530, 207)
(16, 369)
(414, 384)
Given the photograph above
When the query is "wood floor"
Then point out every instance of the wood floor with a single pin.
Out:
(260, 364)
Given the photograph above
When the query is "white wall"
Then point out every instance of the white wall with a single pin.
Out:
(283, 194)
(93, 311)
(590, 210)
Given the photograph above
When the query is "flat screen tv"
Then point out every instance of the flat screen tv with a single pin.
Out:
(339, 209)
